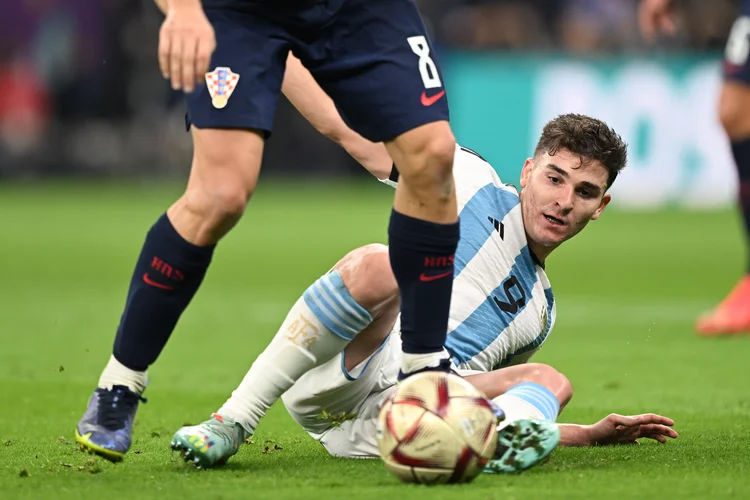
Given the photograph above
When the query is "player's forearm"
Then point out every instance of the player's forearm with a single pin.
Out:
(574, 435)
(373, 156)
(312, 102)
(318, 108)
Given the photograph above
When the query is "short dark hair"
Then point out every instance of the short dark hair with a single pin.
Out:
(591, 139)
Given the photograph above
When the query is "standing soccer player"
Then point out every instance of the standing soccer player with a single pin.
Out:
(732, 316)
(375, 61)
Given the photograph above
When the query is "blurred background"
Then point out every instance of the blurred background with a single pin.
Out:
(81, 95)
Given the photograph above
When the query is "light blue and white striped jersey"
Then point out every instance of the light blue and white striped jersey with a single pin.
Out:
(502, 307)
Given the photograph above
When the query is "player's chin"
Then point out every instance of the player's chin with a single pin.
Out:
(550, 237)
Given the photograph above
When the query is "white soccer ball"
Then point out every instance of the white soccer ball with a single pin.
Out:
(436, 428)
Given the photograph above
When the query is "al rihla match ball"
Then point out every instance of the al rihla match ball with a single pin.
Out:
(436, 428)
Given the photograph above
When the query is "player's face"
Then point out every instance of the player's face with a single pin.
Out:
(559, 196)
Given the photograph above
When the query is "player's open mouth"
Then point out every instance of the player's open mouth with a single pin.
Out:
(554, 220)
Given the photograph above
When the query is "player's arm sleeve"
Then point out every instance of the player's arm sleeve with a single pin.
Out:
(318, 108)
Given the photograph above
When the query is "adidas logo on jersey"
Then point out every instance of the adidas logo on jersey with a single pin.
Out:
(499, 227)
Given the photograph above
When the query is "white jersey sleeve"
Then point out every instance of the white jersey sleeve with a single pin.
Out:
(502, 306)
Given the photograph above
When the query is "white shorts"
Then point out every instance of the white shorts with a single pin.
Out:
(339, 408)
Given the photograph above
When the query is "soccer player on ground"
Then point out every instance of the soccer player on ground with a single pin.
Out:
(732, 315)
(337, 354)
(375, 60)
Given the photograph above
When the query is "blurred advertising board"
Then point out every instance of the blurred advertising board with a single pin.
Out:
(664, 107)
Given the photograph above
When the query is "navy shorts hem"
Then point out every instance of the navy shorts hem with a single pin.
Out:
(230, 123)
(400, 127)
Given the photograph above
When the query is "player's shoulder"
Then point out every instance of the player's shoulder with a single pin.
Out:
(467, 156)
(468, 163)
(463, 150)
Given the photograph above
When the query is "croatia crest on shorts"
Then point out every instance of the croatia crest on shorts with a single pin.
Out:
(221, 83)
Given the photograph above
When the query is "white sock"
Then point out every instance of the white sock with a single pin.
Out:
(317, 328)
(115, 373)
(413, 362)
(528, 400)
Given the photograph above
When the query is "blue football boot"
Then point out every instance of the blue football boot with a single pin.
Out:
(107, 426)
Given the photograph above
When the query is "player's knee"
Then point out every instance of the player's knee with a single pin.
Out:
(435, 163)
(428, 159)
(565, 389)
(219, 202)
(732, 111)
(368, 276)
(224, 173)
(552, 379)
(218, 194)
(729, 116)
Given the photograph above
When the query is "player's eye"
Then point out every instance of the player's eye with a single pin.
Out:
(554, 180)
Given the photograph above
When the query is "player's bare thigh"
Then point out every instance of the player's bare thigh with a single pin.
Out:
(734, 109)
(367, 275)
(227, 114)
(497, 382)
(223, 176)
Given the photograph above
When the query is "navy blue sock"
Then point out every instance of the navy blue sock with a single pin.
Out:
(167, 275)
(421, 255)
(741, 152)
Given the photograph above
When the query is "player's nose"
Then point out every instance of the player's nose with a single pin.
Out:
(566, 199)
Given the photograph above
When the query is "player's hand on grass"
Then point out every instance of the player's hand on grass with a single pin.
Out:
(656, 16)
(619, 429)
(186, 42)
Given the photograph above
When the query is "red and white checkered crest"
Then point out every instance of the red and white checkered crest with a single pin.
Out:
(221, 82)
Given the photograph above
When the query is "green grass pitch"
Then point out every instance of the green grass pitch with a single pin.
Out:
(628, 289)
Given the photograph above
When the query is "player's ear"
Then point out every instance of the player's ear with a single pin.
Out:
(605, 201)
(528, 166)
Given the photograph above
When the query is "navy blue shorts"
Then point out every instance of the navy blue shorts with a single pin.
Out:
(737, 51)
(373, 58)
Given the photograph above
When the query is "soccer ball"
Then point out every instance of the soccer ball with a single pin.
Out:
(436, 428)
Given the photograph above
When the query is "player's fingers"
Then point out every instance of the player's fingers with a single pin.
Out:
(203, 59)
(662, 430)
(175, 62)
(189, 51)
(653, 418)
(622, 420)
(165, 42)
(655, 432)
(660, 436)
